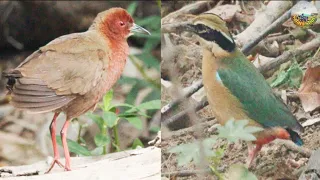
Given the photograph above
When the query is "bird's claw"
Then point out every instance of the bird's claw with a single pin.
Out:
(56, 161)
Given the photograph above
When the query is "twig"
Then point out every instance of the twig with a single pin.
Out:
(185, 173)
(183, 113)
(279, 38)
(317, 52)
(193, 88)
(29, 173)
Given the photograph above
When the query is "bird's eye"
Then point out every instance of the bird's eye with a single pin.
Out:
(121, 23)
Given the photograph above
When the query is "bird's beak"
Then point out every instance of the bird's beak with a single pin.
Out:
(138, 29)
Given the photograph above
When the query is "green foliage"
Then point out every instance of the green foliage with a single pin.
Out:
(155, 104)
(290, 78)
(191, 151)
(232, 132)
(75, 147)
(132, 7)
(101, 140)
(110, 119)
(239, 172)
(135, 121)
(237, 130)
(146, 59)
(107, 100)
(137, 143)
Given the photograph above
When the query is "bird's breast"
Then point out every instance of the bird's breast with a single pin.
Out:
(224, 105)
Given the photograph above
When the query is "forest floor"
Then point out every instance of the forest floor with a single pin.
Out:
(275, 161)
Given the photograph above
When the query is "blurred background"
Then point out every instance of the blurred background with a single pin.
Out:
(26, 26)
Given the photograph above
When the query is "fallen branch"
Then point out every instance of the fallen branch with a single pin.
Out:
(279, 38)
(138, 164)
(246, 49)
(311, 122)
(183, 113)
(193, 88)
(287, 55)
(264, 22)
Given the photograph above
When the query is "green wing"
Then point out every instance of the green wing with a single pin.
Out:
(249, 86)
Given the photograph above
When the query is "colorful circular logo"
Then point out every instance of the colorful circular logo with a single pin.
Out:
(304, 14)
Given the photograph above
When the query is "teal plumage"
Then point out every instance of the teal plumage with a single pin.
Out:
(256, 96)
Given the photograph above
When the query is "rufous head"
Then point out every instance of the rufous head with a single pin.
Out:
(116, 23)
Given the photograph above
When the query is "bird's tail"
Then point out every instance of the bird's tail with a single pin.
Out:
(295, 137)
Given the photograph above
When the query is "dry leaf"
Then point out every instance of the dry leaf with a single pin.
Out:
(261, 60)
(309, 92)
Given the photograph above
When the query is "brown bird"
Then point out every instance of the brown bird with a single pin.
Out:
(71, 73)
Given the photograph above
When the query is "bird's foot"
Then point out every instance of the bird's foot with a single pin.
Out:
(252, 153)
(67, 167)
(56, 161)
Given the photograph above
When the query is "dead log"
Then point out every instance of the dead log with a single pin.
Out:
(134, 164)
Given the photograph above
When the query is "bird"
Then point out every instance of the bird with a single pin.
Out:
(71, 73)
(236, 90)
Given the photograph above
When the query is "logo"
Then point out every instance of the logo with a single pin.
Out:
(304, 14)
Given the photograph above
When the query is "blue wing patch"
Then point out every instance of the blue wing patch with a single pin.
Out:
(218, 77)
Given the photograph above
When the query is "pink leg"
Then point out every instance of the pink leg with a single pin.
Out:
(65, 145)
(54, 143)
(252, 154)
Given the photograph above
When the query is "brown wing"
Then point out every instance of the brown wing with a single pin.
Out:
(55, 74)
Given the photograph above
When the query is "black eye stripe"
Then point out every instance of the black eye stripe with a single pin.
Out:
(214, 35)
